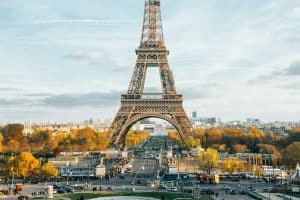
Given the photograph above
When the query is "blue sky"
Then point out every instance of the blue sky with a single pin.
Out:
(66, 60)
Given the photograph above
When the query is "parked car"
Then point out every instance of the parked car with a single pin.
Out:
(207, 192)
(162, 186)
(233, 192)
(188, 190)
(225, 187)
(265, 190)
(243, 192)
(23, 198)
(173, 189)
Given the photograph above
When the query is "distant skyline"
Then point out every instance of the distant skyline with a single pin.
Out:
(65, 60)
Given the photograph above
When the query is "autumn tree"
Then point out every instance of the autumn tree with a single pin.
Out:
(208, 160)
(102, 140)
(294, 135)
(1, 143)
(270, 149)
(213, 136)
(240, 148)
(13, 146)
(14, 132)
(200, 134)
(254, 137)
(175, 138)
(48, 170)
(258, 171)
(42, 141)
(135, 138)
(22, 166)
(191, 142)
(291, 155)
(11, 166)
(232, 165)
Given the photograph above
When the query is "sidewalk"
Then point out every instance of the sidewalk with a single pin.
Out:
(278, 196)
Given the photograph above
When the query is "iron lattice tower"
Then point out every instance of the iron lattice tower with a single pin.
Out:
(137, 105)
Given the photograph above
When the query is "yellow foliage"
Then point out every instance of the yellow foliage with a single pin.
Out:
(191, 142)
(240, 148)
(296, 130)
(24, 165)
(133, 139)
(48, 170)
(199, 131)
(208, 159)
(258, 171)
(255, 132)
(232, 131)
(13, 146)
(1, 145)
(233, 165)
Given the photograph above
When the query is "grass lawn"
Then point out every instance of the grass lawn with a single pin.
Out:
(168, 195)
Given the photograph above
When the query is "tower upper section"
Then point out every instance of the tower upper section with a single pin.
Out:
(152, 33)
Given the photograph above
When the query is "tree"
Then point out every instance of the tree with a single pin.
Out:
(12, 166)
(233, 165)
(294, 135)
(270, 149)
(48, 170)
(291, 155)
(13, 146)
(208, 160)
(1, 145)
(258, 171)
(213, 136)
(14, 132)
(24, 165)
(191, 142)
(135, 138)
(102, 141)
(42, 141)
(240, 148)
(254, 137)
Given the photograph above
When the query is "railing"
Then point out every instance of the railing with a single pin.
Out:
(152, 96)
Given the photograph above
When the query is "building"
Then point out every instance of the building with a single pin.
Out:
(76, 164)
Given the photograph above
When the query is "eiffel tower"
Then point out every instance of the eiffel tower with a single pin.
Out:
(137, 105)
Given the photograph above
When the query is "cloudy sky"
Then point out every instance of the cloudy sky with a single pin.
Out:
(66, 60)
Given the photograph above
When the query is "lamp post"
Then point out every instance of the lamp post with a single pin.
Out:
(12, 180)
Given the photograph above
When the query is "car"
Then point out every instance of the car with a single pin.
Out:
(163, 187)
(188, 190)
(203, 192)
(207, 192)
(233, 192)
(173, 189)
(243, 192)
(23, 198)
(67, 188)
(225, 187)
(138, 181)
(266, 190)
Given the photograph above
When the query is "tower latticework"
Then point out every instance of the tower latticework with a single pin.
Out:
(137, 105)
